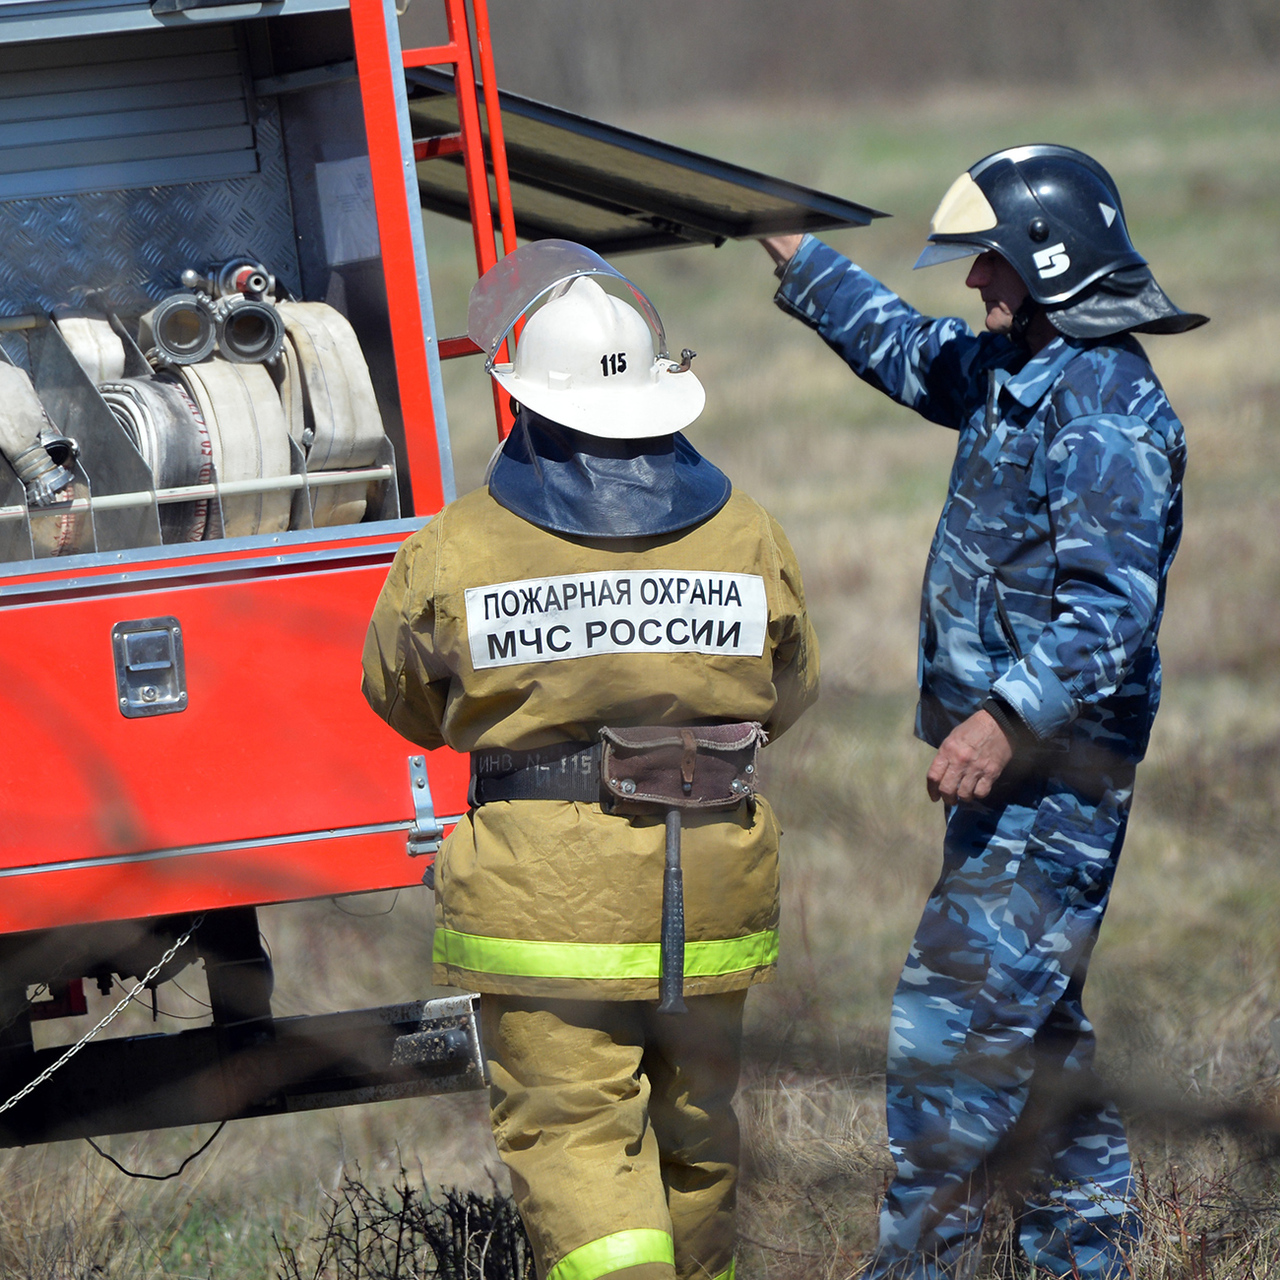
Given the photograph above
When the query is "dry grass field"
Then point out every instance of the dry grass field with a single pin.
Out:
(1185, 984)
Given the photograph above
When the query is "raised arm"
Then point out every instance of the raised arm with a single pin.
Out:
(936, 367)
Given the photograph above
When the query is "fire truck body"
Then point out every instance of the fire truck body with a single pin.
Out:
(180, 631)
(184, 722)
(270, 785)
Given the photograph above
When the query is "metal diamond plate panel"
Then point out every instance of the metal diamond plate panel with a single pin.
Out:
(129, 247)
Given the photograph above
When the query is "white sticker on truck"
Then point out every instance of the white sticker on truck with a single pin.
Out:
(347, 214)
(581, 615)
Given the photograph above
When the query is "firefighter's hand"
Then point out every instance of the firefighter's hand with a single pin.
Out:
(972, 756)
(781, 248)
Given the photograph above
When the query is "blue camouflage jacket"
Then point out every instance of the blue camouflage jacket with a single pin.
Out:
(1045, 583)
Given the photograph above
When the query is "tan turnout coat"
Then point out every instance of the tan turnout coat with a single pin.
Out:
(492, 633)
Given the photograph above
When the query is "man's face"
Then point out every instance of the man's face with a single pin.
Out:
(1001, 288)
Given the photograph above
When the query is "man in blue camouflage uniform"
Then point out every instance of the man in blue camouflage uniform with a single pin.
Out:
(1039, 681)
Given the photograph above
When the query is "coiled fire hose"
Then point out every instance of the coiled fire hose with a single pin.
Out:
(249, 438)
(210, 416)
(330, 404)
(173, 438)
(96, 346)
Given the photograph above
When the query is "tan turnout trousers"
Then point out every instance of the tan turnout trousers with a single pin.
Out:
(614, 1121)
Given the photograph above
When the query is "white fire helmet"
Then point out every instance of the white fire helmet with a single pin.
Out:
(589, 361)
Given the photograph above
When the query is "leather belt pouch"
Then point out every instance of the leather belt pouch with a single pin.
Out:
(706, 766)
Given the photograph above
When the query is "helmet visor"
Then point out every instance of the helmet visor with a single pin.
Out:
(936, 253)
(510, 287)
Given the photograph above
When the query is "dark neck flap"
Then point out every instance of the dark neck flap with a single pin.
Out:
(569, 482)
(1127, 301)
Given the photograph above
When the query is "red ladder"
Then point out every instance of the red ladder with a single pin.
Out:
(393, 159)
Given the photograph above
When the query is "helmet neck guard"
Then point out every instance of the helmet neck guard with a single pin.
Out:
(1123, 302)
(571, 483)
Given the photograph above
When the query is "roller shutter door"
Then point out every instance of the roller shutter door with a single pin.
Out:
(135, 110)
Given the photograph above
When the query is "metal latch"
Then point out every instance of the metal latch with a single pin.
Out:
(447, 1041)
(151, 677)
(426, 833)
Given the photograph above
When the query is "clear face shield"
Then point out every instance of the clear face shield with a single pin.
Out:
(537, 273)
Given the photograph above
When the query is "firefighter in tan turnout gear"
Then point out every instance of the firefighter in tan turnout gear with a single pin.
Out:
(607, 578)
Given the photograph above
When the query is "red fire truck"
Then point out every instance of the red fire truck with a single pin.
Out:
(221, 416)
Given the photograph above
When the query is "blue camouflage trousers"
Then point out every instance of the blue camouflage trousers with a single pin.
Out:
(989, 1077)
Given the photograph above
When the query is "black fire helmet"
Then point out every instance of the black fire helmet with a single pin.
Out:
(1055, 215)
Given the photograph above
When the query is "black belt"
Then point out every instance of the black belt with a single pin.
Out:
(565, 771)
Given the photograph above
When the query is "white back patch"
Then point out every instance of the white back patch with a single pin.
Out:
(1108, 213)
(580, 615)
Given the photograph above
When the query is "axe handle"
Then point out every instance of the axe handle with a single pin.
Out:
(671, 973)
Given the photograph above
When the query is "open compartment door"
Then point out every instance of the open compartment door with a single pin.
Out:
(612, 190)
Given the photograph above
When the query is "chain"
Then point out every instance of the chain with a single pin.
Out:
(110, 1018)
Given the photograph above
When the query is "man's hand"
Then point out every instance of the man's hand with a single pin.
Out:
(781, 248)
(972, 756)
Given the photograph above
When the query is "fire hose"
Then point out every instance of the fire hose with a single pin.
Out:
(328, 394)
(22, 423)
(173, 438)
(238, 375)
(93, 342)
(250, 440)
(39, 456)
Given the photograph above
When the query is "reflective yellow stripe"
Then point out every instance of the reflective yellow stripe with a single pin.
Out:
(729, 1272)
(612, 1253)
(518, 958)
